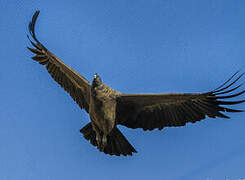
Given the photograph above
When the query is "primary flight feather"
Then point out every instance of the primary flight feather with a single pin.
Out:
(107, 107)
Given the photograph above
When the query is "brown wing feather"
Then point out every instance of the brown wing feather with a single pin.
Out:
(75, 84)
(150, 111)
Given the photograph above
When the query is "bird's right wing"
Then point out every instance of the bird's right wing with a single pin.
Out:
(75, 84)
(150, 111)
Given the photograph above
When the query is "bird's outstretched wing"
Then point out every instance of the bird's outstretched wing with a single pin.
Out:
(75, 84)
(150, 111)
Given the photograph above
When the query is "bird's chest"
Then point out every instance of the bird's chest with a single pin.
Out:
(102, 110)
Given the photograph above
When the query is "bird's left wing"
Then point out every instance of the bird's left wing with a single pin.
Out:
(150, 111)
(74, 83)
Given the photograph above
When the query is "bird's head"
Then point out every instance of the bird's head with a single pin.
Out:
(97, 80)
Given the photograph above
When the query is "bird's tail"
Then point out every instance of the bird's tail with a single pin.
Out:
(117, 144)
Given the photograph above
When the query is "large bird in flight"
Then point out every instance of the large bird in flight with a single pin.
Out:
(108, 108)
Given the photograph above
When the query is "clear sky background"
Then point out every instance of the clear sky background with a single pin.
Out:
(136, 46)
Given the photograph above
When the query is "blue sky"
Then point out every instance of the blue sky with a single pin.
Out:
(136, 46)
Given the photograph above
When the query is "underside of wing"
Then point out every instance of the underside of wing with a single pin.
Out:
(150, 111)
(75, 84)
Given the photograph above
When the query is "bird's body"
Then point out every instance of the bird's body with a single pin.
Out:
(108, 108)
(102, 109)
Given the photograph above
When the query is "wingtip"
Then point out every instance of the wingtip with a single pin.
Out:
(32, 25)
(34, 17)
(36, 13)
(28, 36)
(232, 110)
(36, 43)
(222, 88)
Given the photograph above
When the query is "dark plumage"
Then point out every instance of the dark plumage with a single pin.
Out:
(108, 108)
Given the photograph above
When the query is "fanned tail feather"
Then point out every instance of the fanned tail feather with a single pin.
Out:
(117, 144)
